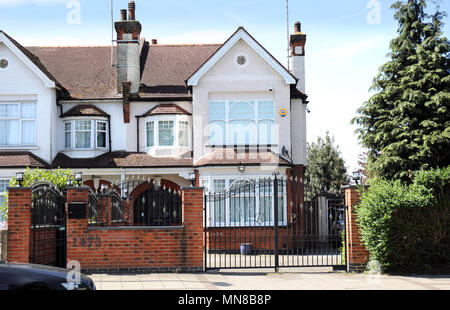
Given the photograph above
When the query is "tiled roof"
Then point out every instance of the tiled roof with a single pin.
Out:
(236, 156)
(21, 160)
(166, 108)
(85, 110)
(122, 160)
(86, 72)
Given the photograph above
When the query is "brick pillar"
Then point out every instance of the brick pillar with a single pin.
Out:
(357, 255)
(19, 223)
(193, 218)
(76, 227)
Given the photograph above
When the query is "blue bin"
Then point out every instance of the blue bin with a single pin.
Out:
(246, 248)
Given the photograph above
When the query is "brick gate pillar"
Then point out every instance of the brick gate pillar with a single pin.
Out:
(79, 196)
(193, 218)
(19, 224)
(357, 255)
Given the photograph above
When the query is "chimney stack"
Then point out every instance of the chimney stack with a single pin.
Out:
(297, 57)
(128, 50)
(123, 15)
(131, 10)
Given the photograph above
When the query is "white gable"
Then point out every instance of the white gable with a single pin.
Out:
(239, 36)
(15, 55)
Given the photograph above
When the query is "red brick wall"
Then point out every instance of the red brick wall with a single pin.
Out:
(19, 222)
(139, 248)
(357, 255)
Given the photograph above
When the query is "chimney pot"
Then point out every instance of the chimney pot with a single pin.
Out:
(123, 15)
(154, 41)
(297, 27)
(131, 10)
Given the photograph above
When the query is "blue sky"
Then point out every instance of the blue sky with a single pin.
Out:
(343, 51)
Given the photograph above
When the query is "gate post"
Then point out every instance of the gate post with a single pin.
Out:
(76, 228)
(194, 243)
(19, 223)
(357, 255)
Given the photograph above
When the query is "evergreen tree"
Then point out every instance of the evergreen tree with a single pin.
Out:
(406, 124)
(326, 170)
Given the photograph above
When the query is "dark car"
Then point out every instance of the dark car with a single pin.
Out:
(15, 276)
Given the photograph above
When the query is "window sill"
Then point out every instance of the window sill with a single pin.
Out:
(86, 150)
(19, 147)
(242, 145)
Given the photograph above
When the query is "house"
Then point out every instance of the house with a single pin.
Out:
(226, 112)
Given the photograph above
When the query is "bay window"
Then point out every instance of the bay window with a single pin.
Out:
(18, 123)
(164, 132)
(85, 134)
(241, 122)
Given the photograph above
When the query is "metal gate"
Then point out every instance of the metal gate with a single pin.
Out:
(48, 226)
(273, 223)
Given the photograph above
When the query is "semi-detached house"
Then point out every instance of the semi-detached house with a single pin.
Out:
(226, 112)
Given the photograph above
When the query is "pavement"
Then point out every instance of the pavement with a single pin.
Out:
(264, 279)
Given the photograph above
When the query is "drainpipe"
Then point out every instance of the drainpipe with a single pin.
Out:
(109, 131)
(137, 124)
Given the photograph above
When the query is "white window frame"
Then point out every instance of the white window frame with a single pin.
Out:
(21, 120)
(256, 120)
(93, 133)
(176, 131)
(247, 223)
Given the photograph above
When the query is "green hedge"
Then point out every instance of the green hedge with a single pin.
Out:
(407, 227)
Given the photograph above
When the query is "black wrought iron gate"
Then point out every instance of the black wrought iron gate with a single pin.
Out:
(48, 226)
(273, 223)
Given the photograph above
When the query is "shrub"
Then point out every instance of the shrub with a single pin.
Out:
(58, 177)
(406, 227)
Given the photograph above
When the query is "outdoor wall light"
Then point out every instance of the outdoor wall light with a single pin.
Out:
(356, 176)
(192, 178)
(19, 178)
(78, 177)
(241, 168)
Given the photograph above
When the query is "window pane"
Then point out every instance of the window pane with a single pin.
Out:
(83, 139)
(166, 137)
(101, 126)
(265, 110)
(9, 132)
(29, 110)
(9, 110)
(266, 132)
(183, 135)
(150, 134)
(28, 132)
(242, 110)
(217, 111)
(68, 140)
(242, 132)
(83, 125)
(68, 126)
(101, 139)
(217, 133)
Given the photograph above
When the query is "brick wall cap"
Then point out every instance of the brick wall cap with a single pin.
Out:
(17, 188)
(355, 186)
(77, 187)
(187, 188)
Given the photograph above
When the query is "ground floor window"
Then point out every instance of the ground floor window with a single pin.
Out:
(237, 201)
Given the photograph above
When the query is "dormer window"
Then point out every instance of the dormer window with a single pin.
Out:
(85, 134)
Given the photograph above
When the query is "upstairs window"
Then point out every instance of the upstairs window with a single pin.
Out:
(241, 123)
(18, 123)
(183, 133)
(166, 137)
(85, 134)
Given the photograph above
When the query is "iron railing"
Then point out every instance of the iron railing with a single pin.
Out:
(135, 203)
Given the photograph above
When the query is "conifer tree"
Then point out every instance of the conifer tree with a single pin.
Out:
(406, 123)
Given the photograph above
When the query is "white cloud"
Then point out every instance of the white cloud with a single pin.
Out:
(14, 3)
